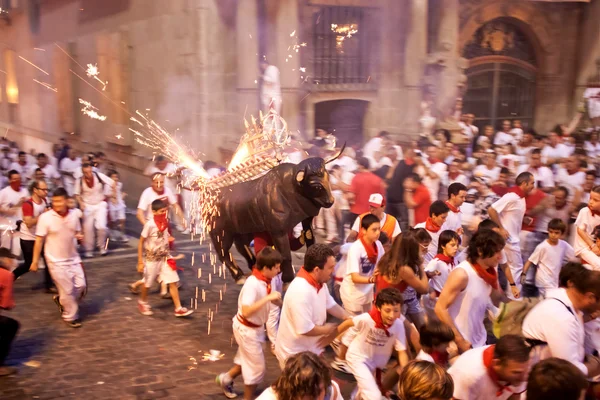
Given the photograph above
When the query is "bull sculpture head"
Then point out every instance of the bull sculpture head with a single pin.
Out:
(313, 178)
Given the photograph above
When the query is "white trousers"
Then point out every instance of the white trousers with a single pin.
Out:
(250, 354)
(365, 379)
(94, 222)
(11, 240)
(515, 262)
(590, 259)
(70, 281)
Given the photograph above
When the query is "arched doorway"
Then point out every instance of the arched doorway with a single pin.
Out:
(343, 118)
(501, 75)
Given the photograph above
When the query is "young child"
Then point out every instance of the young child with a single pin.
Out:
(438, 212)
(155, 240)
(248, 325)
(116, 206)
(378, 332)
(549, 257)
(435, 336)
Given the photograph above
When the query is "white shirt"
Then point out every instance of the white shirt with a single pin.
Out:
(49, 172)
(340, 267)
(563, 330)
(95, 194)
(437, 282)
(303, 309)
(503, 138)
(358, 262)
(592, 150)
(269, 393)
(560, 151)
(573, 183)
(38, 209)
(549, 260)
(543, 176)
(371, 345)
(60, 233)
(472, 381)
(511, 210)
(586, 222)
(397, 230)
(460, 178)
(372, 146)
(517, 133)
(433, 184)
(453, 221)
(70, 166)
(491, 174)
(10, 198)
(155, 241)
(149, 195)
(23, 170)
(252, 291)
(432, 249)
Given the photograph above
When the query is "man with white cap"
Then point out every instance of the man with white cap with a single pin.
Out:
(389, 224)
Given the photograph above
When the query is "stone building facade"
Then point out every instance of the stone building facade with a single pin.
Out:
(362, 66)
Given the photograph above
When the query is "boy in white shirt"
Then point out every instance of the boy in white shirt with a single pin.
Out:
(116, 205)
(549, 257)
(155, 240)
(378, 332)
(438, 212)
(248, 325)
(587, 219)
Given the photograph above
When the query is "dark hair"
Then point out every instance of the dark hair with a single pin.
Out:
(60, 192)
(536, 151)
(112, 172)
(446, 237)
(523, 177)
(455, 188)
(434, 333)
(268, 257)
(159, 204)
(563, 189)
(40, 155)
(86, 165)
(383, 134)
(505, 171)
(511, 348)
(414, 176)
(404, 252)
(11, 173)
(363, 162)
(34, 184)
(555, 378)
(388, 296)
(438, 207)
(487, 224)
(304, 375)
(484, 244)
(160, 157)
(316, 256)
(38, 170)
(581, 278)
(557, 224)
(22, 153)
(368, 220)
(424, 380)
(383, 238)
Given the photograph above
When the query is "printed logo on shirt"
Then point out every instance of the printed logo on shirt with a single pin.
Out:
(377, 337)
(366, 267)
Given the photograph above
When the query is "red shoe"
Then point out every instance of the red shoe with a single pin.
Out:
(145, 308)
(183, 312)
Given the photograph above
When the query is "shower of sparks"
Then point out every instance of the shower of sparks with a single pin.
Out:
(89, 110)
(33, 65)
(293, 34)
(119, 136)
(92, 72)
(46, 85)
(38, 49)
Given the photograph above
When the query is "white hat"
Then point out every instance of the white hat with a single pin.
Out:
(376, 200)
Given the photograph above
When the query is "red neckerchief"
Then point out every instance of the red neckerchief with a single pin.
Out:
(311, 281)
(372, 250)
(434, 161)
(594, 214)
(258, 275)
(376, 316)
(488, 357)
(89, 182)
(446, 259)
(409, 161)
(431, 226)
(517, 190)
(440, 358)
(572, 173)
(490, 275)
(161, 222)
(452, 175)
(452, 208)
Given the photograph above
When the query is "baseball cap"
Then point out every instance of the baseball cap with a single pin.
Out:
(5, 253)
(376, 200)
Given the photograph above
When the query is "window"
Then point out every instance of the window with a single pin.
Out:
(343, 46)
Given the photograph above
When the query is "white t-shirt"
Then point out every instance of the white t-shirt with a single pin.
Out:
(269, 393)
(111, 190)
(372, 346)
(10, 198)
(549, 260)
(586, 222)
(573, 183)
(95, 194)
(422, 356)
(23, 170)
(372, 146)
(156, 243)
(517, 133)
(491, 174)
(68, 165)
(503, 138)
(49, 172)
(437, 282)
(397, 230)
(358, 262)
(252, 291)
(149, 195)
(472, 381)
(453, 221)
(34, 211)
(592, 150)
(560, 151)
(511, 210)
(460, 178)
(60, 233)
(303, 309)
(543, 176)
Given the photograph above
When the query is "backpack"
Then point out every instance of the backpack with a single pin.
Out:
(97, 176)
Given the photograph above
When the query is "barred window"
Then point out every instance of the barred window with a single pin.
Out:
(343, 47)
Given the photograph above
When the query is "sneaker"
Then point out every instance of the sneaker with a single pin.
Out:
(103, 252)
(145, 308)
(74, 324)
(340, 365)
(335, 346)
(227, 389)
(133, 289)
(5, 371)
(183, 312)
(88, 254)
(56, 299)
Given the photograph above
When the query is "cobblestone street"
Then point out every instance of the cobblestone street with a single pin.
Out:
(118, 353)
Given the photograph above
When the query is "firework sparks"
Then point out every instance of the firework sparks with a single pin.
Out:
(89, 110)
(92, 72)
(46, 85)
(33, 65)
(119, 136)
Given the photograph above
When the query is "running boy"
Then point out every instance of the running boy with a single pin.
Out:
(248, 325)
(379, 331)
(116, 206)
(155, 240)
(549, 257)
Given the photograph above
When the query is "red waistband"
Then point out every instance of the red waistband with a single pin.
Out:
(247, 323)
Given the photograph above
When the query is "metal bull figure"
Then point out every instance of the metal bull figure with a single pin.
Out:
(287, 195)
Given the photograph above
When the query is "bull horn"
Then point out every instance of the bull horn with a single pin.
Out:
(338, 154)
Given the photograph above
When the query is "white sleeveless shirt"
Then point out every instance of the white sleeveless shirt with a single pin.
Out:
(468, 310)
